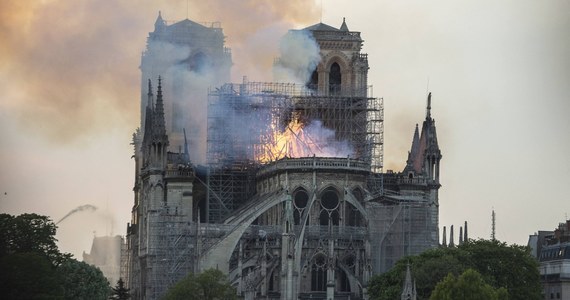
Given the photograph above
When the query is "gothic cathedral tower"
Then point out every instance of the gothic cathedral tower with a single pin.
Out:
(190, 57)
(343, 70)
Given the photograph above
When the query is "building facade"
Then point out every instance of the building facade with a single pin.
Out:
(552, 249)
(106, 254)
(293, 202)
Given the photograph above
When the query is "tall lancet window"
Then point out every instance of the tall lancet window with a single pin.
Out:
(335, 79)
(319, 273)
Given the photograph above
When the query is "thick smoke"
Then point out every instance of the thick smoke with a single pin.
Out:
(68, 69)
(328, 145)
(86, 207)
(299, 57)
(186, 105)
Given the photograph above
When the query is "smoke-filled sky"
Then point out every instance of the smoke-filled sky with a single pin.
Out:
(499, 72)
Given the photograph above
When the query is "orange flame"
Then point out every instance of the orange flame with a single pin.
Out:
(296, 141)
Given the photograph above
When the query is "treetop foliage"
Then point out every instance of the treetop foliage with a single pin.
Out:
(34, 268)
(211, 284)
(511, 267)
(468, 286)
(82, 281)
(28, 233)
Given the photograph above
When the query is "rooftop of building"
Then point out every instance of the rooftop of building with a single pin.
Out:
(322, 31)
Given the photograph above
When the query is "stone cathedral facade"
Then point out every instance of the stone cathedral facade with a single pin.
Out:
(292, 201)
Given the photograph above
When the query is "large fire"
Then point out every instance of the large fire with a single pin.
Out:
(301, 139)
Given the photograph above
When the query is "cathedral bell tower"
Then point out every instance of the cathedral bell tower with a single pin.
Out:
(343, 69)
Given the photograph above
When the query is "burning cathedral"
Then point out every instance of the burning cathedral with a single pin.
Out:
(279, 185)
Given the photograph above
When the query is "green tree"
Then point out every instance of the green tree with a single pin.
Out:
(29, 233)
(120, 292)
(209, 285)
(500, 265)
(80, 280)
(32, 267)
(511, 267)
(428, 269)
(28, 276)
(468, 286)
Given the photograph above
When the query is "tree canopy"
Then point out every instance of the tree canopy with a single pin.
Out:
(34, 268)
(80, 280)
(468, 286)
(28, 276)
(29, 233)
(209, 285)
(500, 265)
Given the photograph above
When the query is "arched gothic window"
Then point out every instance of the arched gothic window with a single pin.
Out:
(335, 79)
(319, 274)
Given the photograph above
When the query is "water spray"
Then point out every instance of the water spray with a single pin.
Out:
(86, 207)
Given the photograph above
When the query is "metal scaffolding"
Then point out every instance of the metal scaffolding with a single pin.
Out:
(170, 252)
(244, 119)
(405, 221)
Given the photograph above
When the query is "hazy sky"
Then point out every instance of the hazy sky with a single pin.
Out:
(499, 72)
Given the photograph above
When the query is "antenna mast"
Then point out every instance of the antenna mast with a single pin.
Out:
(493, 225)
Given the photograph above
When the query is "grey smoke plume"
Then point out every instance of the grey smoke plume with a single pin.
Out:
(325, 138)
(185, 89)
(86, 207)
(299, 57)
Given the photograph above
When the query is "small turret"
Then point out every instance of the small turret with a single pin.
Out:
(413, 153)
(155, 140)
(432, 155)
(409, 289)
(159, 24)
(424, 156)
(344, 27)
(159, 121)
(428, 110)
(186, 151)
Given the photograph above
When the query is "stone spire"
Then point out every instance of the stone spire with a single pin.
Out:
(150, 100)
(451, 243)
(413, 153)
(159, 23)
(186, 151)
(444, 242)
(155, 140)
(465, 237)
(424, 156)
(460, 235)
(147, 125)
(428, 109)
(409, 289)
(432, 153)
(160, 123)
(344, 27)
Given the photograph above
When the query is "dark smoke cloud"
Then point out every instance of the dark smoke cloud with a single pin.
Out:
(87, 207)
(68, 69)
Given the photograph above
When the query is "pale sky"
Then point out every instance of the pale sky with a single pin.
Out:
(499, 73)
